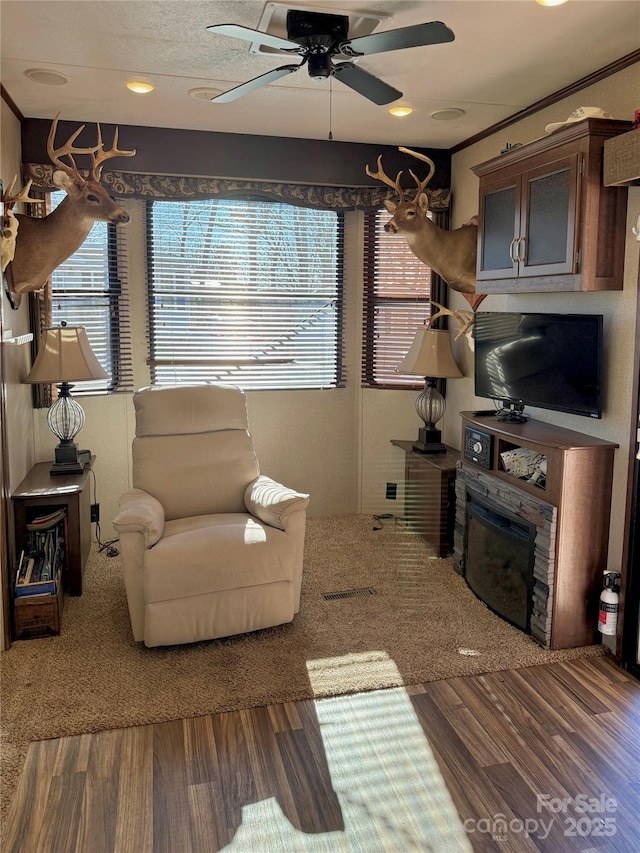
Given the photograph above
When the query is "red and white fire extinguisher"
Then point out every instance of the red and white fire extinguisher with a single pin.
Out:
(609, 603)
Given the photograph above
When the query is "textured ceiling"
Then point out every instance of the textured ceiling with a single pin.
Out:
(507, 54)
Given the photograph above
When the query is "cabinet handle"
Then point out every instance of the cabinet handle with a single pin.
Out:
(520, 242)
(511, 245)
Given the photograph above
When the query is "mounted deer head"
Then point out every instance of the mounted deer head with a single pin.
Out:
(43, 244)
(451, 254)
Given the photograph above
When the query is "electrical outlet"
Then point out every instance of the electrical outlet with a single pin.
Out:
(95, 513)
(392, 491)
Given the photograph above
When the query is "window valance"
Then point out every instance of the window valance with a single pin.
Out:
(180, 188)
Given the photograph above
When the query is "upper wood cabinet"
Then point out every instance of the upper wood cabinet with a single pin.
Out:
(546, 221)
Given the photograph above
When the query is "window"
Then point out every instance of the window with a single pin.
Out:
(397, 291)
(86, 291)
(248, 292)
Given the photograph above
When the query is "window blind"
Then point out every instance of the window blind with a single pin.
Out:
(397, 292)
(87, 290)
(245, 291)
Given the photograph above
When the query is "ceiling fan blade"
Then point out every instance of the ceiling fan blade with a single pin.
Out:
(264, 39)
(416, 36)
(366, 84)
(252, 85)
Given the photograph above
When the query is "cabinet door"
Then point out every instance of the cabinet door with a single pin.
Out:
(499, 228)
(548, 219)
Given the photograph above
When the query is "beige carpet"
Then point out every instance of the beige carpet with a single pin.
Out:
(422, 624)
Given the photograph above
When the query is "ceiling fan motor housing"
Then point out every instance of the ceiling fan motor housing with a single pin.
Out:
(315, 31)
(319, 65)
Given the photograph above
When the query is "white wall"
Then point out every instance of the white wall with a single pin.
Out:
(617, 95)
(16, 359)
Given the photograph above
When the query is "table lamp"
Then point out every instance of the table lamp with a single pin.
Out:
(65, 356)
(430, 356)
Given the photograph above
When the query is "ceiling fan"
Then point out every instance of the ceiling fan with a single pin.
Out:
(318, 38)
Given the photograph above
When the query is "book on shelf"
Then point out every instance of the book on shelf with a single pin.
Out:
(41, 588)
(44, 522)
(41, 563)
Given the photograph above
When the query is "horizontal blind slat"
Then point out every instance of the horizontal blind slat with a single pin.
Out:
(397, 302)
(86, 290)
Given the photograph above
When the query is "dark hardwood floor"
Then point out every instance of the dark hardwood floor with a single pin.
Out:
(545, 758)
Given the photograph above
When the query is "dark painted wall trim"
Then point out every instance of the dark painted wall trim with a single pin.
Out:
(589, 80)
(167, 151)
(6, 97)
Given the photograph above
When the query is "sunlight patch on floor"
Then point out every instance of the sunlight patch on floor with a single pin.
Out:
(391, 793)
(338, 674)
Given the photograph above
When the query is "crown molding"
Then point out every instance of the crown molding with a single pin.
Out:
(561, 94)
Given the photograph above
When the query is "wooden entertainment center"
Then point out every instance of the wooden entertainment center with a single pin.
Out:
(578, 490)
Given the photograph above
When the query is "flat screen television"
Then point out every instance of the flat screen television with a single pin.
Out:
(549, 361)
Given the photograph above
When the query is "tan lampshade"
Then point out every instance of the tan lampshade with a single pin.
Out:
(430, 355)
(65, 355)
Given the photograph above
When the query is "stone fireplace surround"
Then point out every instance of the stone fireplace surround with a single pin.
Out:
(528, 507)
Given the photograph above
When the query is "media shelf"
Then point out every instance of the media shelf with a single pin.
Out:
(577, 492)
(574, 461)
(523, 464)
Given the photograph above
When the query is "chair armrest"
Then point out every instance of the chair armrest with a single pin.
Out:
(273, 503)
(140, 512)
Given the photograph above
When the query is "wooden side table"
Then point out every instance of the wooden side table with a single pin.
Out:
(429, 494)
(39, 493)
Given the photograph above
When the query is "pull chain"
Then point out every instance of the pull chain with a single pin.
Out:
(330, 106)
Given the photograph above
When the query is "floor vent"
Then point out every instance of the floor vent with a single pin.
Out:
(349, 593)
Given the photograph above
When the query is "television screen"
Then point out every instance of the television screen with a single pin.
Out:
(550, 361)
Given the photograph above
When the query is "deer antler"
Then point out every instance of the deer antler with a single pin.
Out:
(381, 175)
(97, 152)
(432, 168)
(66, 150)
(9, 199)
(9, 222)
(101, 156)
(465, 318)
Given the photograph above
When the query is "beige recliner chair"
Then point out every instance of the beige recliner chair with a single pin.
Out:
(210, 547)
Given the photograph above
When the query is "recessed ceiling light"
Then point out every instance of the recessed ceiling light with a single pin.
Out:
(139, 87)
(450, 114)
(550, 2)
(401, 110)
(46, 77)
(204, 94)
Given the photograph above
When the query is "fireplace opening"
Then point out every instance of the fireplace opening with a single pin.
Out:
(499, 555)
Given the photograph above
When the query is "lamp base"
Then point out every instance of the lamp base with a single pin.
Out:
(429, 441)
(69, 460)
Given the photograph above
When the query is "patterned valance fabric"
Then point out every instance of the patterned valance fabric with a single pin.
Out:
(174, 187)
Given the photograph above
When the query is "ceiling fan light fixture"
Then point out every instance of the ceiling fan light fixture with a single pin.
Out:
(140, 87)
(401, 110)
(46, 76)
(319, 66)
(449, 114)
